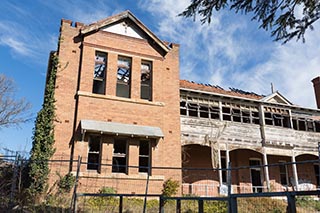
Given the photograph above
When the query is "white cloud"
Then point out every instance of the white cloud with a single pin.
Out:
(232, 52)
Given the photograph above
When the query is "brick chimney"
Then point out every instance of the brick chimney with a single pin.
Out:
(316, 85)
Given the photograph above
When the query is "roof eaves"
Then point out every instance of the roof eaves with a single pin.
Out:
(126, 14)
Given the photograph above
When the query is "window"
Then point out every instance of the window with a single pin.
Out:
(236, 116)
(144, 156)
(204, 111)
(226, 111)
(146, 78)
(277, 117)
(124, 77)
(193, 109)
(215, 112)
(120, 158)
(99, 75)
(255, 117)
(246, 116)
(183, 108)
(94, 153)
(283, 170)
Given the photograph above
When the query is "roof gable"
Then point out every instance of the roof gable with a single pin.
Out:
(277, 98)
(125, 28)
(125, 23)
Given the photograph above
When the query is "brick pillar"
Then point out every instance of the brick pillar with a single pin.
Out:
(316, 86)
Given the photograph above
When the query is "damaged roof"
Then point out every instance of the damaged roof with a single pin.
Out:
(216, 89)
(121, 16)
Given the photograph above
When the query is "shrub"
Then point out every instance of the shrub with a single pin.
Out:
(170, 188)
(66, 183)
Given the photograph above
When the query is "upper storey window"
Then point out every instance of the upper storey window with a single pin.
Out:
(277, 117)
(99, 75)
(124, 77)
(146, 76)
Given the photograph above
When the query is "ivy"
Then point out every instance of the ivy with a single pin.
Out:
(43, 139)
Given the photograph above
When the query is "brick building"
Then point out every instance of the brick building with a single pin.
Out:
(117, 105)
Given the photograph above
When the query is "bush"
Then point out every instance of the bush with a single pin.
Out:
(66, 183)
(170, 188)
(107, 203)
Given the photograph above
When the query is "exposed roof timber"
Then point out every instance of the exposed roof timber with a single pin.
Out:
(250, 100)
(126, 14)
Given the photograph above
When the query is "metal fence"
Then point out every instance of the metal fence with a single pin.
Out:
(199, 189)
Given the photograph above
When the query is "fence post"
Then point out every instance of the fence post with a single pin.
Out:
(200, 206)
(178, 207)
(120, 203)
(74, 197)
(161, 204)
(147, 187)
(291, 203)
(232, 201)
(14, 180)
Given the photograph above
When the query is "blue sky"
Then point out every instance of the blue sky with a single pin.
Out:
(230, 52)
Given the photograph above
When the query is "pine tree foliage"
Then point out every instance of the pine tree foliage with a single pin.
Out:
(43, 138)
(282, 17)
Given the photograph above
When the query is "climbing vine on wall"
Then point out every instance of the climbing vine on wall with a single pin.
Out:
(43, 138)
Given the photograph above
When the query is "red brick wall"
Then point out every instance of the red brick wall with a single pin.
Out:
(77, 65)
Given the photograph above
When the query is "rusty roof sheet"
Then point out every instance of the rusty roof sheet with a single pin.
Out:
(216, 89)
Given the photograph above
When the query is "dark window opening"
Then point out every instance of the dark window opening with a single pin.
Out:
(317, 126)
(204, 111)
(277, 118)
(119, 159)
(94, 153)
(302, 125)
(226, 111)
(123, 77)
(286, 121)
(146, 76)
(99, 76)
(214, 112)
(295, 124)
(283, 174)
(183, 108)
(310, 125)
(236, 115)
(193, 110)
(268, 118)
(255, 118)
(144, 156)
(246, 116)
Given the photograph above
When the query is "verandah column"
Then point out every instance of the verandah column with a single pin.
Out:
(295, 173)
(266, 168)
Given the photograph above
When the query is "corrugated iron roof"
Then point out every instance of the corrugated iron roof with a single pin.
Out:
(216, 89)
(121, 129)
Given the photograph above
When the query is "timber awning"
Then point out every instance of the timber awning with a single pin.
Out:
(113, 128)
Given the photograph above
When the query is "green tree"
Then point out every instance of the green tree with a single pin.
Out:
(43, 139)
(279, 16)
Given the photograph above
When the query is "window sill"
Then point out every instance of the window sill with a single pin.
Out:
(122, 176)
(115, 98)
